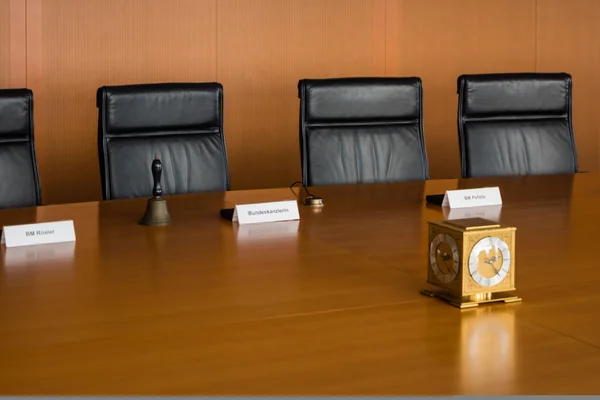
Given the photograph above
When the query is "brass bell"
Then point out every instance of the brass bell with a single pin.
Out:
(156, 213)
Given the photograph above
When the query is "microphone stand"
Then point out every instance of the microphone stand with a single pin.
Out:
(310, 199)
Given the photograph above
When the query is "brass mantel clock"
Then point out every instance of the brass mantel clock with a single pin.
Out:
(472, 260)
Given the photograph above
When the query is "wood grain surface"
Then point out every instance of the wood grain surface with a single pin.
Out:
(439, 40)
(567, 39)
(259, 49)
(5, 80)
(264, 48)
(329, 304)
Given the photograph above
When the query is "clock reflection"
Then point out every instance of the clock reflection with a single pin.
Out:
(487, 351)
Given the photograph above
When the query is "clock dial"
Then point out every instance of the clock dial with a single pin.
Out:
(443, 257)
(489, 261)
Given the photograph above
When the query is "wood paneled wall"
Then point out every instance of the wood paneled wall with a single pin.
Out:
(258, 49)
(438, 40)
(568, 39)
(4, 43)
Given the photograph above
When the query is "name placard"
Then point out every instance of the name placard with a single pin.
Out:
(266, 212)
(43, 233)
(489, 196)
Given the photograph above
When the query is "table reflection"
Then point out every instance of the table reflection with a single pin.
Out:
(487, 348)
(491, 213)
(58, 253)
(285, 231)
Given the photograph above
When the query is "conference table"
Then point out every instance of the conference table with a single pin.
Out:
(327, 305)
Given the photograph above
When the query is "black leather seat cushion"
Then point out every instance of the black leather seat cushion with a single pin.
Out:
(19, 181)
(182, 123)
(361, 130)
(516, 124)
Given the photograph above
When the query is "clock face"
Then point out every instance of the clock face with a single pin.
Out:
(489, 261)
(443, 257)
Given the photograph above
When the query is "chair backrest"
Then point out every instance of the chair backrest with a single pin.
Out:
(19, 178)
(516, 124)
(361, 130)
(182, 123)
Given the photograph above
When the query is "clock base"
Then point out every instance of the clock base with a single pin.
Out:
(472, 301)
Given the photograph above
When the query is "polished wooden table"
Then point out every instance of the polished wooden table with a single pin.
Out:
(326, 305)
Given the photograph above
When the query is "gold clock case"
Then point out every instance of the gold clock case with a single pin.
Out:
(464, 291)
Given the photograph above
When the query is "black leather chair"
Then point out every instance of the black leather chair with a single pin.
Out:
(361, 130)
(516, 124)
(180, 122)
(19, 178)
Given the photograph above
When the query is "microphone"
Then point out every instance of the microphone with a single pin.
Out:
(310, 199)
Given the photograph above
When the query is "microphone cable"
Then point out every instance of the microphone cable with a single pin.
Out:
(310, 199)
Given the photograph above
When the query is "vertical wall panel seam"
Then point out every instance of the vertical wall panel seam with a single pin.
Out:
(535, 43)
(26, 45)
(385, 38)
(217, 40)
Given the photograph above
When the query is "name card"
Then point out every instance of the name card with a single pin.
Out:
(33, 234)
(266, 212)
(472, 198)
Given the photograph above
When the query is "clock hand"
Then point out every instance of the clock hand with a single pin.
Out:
(493, 266)
(492, 259)
(444, 256)
(449, 267)
(489, 261)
